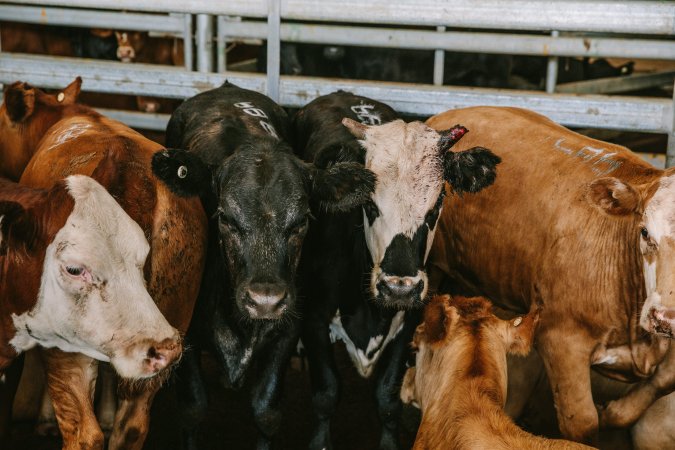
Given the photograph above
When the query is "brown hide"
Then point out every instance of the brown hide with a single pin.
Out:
(535, 236)
(23, 252)
(81, 141)
(460, 377)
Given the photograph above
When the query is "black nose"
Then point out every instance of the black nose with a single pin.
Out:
(399, 286)
(266, 300)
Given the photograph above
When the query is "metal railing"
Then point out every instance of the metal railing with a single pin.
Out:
(629, 29)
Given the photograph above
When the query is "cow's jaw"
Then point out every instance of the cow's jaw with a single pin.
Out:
(658, 312)
(405, 158)
(105, 313)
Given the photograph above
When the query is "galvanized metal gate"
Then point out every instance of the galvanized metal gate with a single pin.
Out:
(595, 28)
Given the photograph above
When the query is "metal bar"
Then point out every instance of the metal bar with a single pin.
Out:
(653, 115)
(161, 23)
(630, 16)
(439, 62)
(617, 84)
(273, 49)
(478, 42)
(552, 68)
(670, 150)
(221, 44)
(204, 43)
(188, 42)
(137, 119)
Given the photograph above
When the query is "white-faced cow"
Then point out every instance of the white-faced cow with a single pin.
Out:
(364, 269)
(258, 194)
(587, 228)
(72, 278)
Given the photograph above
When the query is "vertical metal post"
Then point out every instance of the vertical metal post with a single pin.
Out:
(273, 48)
(439, 62)
(552, 69)
(188, 42)
(670, 151)
(204, 43)
(221, 45)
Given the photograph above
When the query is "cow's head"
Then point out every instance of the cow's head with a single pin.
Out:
(25, 115)
(412, 162)
(92, 297)
(261, 207)
(461, 336)
(654, 206)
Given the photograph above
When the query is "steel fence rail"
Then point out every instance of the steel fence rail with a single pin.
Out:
(619, 113)
(631, 16)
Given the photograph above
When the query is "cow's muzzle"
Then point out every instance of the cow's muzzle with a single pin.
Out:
(400, 292)
(266, 300)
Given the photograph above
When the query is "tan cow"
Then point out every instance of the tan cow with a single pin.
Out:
(585, 227)
(459, 380)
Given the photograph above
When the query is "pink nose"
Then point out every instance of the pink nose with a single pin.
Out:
(266, 300)
(125, 53)
(162, 354)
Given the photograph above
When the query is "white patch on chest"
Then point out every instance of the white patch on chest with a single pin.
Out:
(365, 361)
(68, 132)
(250, 109)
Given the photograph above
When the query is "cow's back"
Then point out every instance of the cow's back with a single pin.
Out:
(534, 228)
(119, 158)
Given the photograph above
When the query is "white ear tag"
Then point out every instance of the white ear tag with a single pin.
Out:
(182, 172)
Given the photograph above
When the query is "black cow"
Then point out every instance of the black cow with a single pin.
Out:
(235, 154)
(383, 245)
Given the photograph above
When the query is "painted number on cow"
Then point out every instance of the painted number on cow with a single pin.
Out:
(367, 114)
(599, 159)
(250, 109)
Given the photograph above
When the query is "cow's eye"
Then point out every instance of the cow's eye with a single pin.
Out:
(75, 271)
(299, 226)
(228, 222)
(644, 233)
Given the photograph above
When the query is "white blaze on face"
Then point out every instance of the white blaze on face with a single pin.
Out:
(658, 251)
(102, 308)
(409, 169)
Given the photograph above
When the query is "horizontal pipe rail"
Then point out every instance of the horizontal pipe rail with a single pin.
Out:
(478, 42)
(618, 84)
(160, 23)
(618, 113)
(631, 16)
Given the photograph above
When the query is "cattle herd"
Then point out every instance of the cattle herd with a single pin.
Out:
(254, 236)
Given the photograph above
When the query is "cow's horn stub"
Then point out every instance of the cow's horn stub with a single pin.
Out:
(182, 171)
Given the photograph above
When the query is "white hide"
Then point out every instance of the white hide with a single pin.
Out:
(409, 169)
(106, 312)
(659, 219)
(363, 363)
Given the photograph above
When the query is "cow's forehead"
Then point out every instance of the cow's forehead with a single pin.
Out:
(660, 210)
(100, 227)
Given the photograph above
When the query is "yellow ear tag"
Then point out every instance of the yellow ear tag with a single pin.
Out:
(60, 97)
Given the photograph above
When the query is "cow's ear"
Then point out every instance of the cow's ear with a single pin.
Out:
(342, 186)
(184, 173)
(518, 333)
(20, 101)
(470, 170)
(438, 318)
(18, 227)
(613, 196)
(357, 129)
(69, 95)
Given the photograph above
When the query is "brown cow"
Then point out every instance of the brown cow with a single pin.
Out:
(79, 140)
(585, 227)
(459, 380)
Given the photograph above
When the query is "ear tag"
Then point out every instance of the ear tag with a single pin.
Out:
(182, 172)
(517, 321)
(60, 97)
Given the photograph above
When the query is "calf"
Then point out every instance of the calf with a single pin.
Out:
(459, 380)
(585, 227)
(258, 194)
(67, 139)
(382, 245)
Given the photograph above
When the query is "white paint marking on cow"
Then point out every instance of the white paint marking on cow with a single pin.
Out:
(69, 130)
(365, 364)
(599, 159)
(253, 111)
(367, 114)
